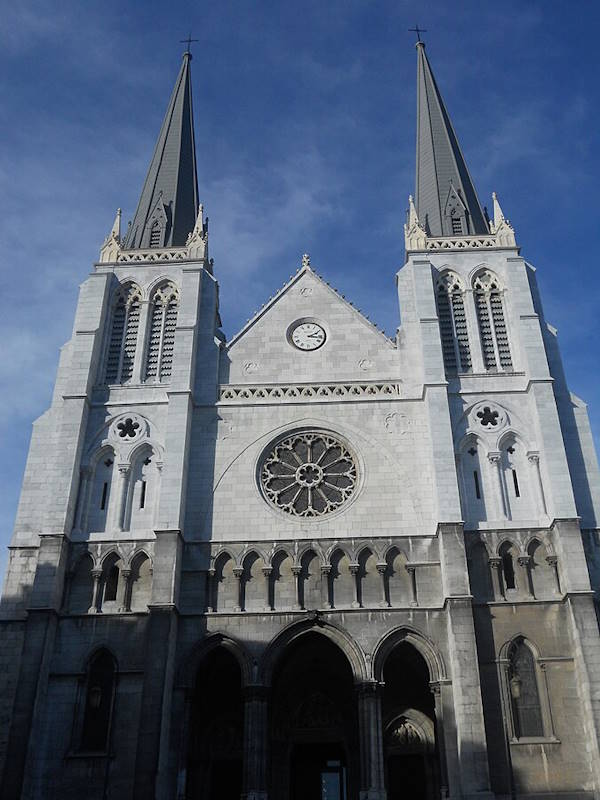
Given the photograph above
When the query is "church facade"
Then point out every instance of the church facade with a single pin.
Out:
(312, 561)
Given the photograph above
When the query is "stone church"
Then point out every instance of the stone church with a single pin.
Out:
(311, 562)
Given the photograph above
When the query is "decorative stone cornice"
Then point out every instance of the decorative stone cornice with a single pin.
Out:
(238, 394)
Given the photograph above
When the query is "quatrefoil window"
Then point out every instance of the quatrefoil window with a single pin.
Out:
(308, 474)
(128, 428)
(487, 417)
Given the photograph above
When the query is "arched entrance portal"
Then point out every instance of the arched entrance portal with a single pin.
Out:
(411, 760)
(314, 739)
(214, 769)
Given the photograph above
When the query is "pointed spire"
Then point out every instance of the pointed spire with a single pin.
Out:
(112, 244)
(168, 206)
(446, 200)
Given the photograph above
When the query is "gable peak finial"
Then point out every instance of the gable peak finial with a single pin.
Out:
(305, 261)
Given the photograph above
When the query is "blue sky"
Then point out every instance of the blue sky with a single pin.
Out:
(305, 130)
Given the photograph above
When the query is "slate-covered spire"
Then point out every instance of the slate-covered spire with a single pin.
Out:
(445, 198)
(168, 205)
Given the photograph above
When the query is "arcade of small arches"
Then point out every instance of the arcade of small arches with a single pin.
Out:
(314, 710)
(140, 338)
(368, 577)
(113, 582)
(513, 571)
(480, 309)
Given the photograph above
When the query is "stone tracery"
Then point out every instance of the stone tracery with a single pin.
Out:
(308, 474)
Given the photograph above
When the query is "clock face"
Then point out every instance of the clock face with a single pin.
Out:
(308, 336)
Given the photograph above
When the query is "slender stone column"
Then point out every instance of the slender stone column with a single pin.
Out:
(496, 565)
(256, 723)
(525, 564)
(370, 729)
(96, 575)
(267, 572)
(325, 573)
(436, 690)
(117, 507)
(126, 591)
(414, 600)
(354, 571)
(382, 570)
(297, 573)
(238, 572)
(534, 460)
(140, 352)
(210, 589)
(553, 562)
(495, 460)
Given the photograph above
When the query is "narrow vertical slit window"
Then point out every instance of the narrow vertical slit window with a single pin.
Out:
(516, 483)
(103, 499)
(477, 487)
(161, 340)
(143, 495)
(453, 324)
(123, 336)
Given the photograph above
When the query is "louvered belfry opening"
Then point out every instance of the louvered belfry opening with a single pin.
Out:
(123, 335)
(492, 323)
(161, 341)
(453, 324)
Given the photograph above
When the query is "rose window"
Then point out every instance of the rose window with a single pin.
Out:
(308, 474)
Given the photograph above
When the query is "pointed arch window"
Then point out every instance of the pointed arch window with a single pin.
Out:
(98, 703)
(492, 322)
(124, 325)
(524, 692)
(161, 341)
(453, 323)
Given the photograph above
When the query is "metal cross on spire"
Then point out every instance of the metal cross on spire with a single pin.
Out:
(418, 31)
(188, 42)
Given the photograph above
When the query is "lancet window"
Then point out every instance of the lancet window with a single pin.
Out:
(124, 324)
(161, 340)
(98, 703)
(492, 322)
(524, 692)
(453, 324)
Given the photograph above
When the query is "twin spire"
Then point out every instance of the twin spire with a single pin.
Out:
(168, 207)
(445, 198)
(446, 203)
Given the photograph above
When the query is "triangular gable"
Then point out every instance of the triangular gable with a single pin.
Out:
(354, 348)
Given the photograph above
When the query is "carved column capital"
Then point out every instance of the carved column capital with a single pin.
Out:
(495, 562)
